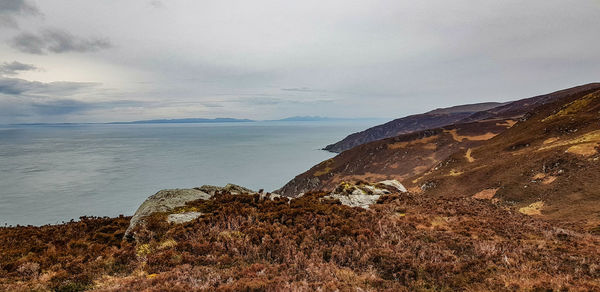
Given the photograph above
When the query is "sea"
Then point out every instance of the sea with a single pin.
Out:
(51, 174)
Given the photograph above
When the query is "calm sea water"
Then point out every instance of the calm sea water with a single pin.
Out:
(50, 174)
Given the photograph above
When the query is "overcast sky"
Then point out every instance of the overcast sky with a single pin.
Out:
(115, 60)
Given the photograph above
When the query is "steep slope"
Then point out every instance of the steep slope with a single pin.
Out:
(518, 108)
(448, 116)
(399, 157)
(430, 120)
(411, 154)
(547, 165)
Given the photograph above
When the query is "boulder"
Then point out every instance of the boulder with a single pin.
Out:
(364, 194)
(164, 201)
(356, 199)
(395, 184)
(179, 218)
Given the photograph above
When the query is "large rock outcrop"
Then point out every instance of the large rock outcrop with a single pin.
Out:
(364, 195)
(169, 200)
(164, 201)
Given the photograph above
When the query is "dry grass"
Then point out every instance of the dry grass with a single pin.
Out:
(592, 138)
(574, 107)
(468, 155)
(486, 194)
(325, 168)
(507, 123)
(533, 208)
(586, 149)
(426, 141)
(459, 138)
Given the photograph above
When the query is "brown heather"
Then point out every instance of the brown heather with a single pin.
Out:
(244, 243)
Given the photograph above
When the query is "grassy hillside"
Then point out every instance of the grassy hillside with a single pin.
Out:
(454, 115)
(547, 164)
(399, 157)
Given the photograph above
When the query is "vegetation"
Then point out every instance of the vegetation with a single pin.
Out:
(472, 222)
(243, 242)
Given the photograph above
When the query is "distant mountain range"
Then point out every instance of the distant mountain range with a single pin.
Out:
(306, 119)
(187, 121)
(209, 121)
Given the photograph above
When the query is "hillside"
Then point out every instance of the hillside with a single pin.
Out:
(247, 242)
(547, 165)
(399, 157)
(433, 119)
(448, 116)
(407, 155)
(519, 107)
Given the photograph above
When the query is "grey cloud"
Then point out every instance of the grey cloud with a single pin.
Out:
(372, 58)
(34, 109)
(156, 4)
(10, 9)
(69, 106)
(16, 86)
(15, 67)
(56, 41)
(59, 107)
(266, 101)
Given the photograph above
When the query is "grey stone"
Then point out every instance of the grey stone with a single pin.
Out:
(231, 188)
(164, 201)
(395, 184)
(179, 218)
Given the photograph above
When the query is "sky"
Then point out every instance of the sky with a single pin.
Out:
(114, 60)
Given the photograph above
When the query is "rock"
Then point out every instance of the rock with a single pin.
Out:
(428, 185)
(363, 194)
(375, 191)
(395, 184)
(231, 188)
(356, 199)
(164, 201)
(168, 200)
(183, 217)
(272, 196)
